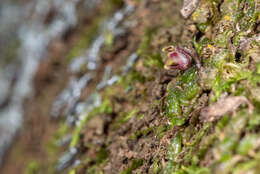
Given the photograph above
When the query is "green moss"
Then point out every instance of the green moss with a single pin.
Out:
(72, 171)
(203, 26)
(194, 147)
(94, 170)
(185, 149)
(135, 164)
(231, 137)
(52, 149)
(258, 68)
(226, 73)
(141, 133)
(193, 170)
(130, 79)
(156, 168)
(160, 131)
(124, 117)
(105, 107)
(244, 167)
(32, 168)
(155, 60)
(181, 95)
(254, 121)
(109, 39)
(249, 17)
(227, 142)
(145, 43)
(174, 148)
(247, 144)
(170, 167)
(222, 39)
(101, 156)
(224, 85)
(205, 144)
(198, 45)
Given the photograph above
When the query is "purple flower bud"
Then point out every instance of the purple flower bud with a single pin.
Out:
(177, 58)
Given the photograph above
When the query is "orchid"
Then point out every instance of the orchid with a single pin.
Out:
(179, 58)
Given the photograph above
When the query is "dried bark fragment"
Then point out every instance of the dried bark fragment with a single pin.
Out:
(223, 106)
(188, 7)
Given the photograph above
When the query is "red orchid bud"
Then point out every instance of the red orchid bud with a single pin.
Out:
(177, 58)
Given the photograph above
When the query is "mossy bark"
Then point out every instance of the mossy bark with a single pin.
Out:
(151, 117)
(173, 136)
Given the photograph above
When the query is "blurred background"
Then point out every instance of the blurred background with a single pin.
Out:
(35, 36)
